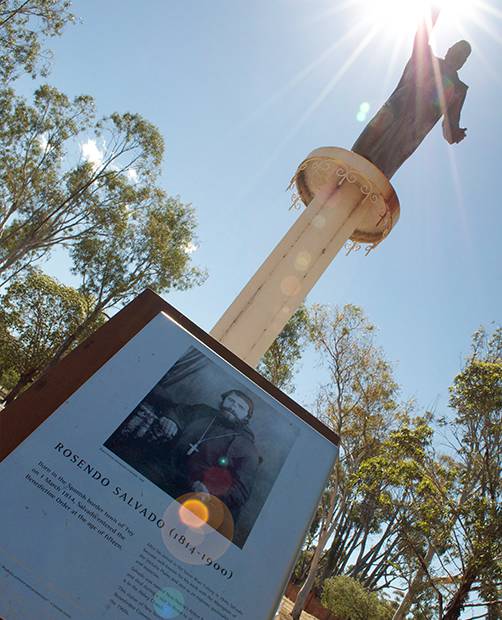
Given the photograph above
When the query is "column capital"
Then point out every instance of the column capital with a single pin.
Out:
(327, 163)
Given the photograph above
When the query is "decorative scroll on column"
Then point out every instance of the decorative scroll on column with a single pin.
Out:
(317, 169)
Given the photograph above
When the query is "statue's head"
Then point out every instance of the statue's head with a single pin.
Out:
(458, 54)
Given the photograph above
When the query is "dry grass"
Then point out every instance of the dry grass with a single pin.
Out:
(285, 610)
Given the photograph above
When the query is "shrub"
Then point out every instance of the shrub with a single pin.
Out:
(349, 600)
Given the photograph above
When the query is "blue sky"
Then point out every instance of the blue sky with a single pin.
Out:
(243, 91)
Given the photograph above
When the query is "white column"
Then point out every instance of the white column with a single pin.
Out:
(348, 198)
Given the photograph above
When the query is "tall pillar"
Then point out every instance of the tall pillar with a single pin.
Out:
(347, 198)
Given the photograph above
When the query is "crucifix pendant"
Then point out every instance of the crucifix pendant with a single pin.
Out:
(194, 447)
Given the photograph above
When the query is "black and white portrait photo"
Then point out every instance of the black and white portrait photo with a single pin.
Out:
(201, 429)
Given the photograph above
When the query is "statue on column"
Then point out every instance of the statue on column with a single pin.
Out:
(428, 90)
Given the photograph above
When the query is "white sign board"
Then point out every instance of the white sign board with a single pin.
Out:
(90, 522)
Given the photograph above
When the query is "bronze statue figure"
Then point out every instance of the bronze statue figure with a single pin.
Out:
(428, 89)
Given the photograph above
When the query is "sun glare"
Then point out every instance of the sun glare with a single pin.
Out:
(406, 14)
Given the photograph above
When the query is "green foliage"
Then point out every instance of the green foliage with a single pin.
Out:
(477, 393)
(9, 356)
(130, 250)
(88, 185)
(349, 600)
(401, 510)
(360, 402)
(457, 522)
(361, 394)
(302, 565)
(476, 397)
(278, 363)
(23, 26)
(133, 249)
(37, 314)
(52, 190)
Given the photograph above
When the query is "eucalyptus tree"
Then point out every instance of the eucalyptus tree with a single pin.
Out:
(37, 313)
(476, 540)
(462, 552)
(24, 24)
(382, 499)
(130, 250)
(360, 403)
(62, 171)
(147, 245)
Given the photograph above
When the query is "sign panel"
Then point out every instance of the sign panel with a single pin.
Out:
(173, 483)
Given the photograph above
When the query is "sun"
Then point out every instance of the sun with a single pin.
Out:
(399, 15)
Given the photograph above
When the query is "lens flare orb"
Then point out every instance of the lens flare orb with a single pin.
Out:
(169, 603)
(223, 461)
(198, 526)
(194, 513)
(362, 114)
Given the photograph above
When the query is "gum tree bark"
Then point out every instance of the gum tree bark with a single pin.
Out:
(327, 528)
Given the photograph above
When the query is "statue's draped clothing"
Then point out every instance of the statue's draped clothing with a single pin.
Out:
(426, 89)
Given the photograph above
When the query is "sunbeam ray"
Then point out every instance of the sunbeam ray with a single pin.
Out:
(469, 36)
(303, 118)
(299, 77)
(392, 64)
(486, 28)
(324, 15)
(335, 79)
(488, 8)
(459, 195)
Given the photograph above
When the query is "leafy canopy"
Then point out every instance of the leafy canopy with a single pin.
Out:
(63, 173)
(36, 314)
(23, 26)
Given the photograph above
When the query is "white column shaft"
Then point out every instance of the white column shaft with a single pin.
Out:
(259, 313)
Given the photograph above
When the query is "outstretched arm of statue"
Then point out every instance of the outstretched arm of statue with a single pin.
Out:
(452, 131)
(424, 30)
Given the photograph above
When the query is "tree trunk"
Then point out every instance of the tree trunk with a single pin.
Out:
(25, 379)
(301, 599)
(456, 604)
(67, 343)
(327, 529)
(415, 584)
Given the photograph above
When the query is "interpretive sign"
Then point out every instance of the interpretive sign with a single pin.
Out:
(152, 474)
